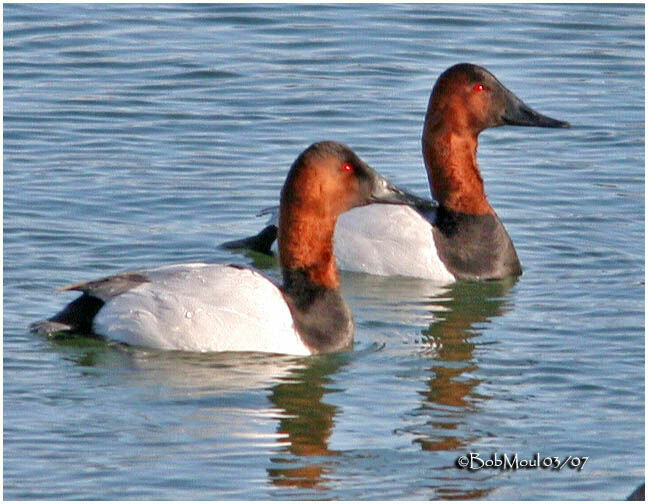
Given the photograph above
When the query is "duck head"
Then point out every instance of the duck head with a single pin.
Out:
(327, 179)
(473, 98)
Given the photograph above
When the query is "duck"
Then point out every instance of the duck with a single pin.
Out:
(460, 236)
(203, 307)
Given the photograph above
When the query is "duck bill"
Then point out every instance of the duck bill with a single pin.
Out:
(384, 191)
(518, 113)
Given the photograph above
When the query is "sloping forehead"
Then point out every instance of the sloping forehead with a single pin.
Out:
(324, 151)
(467, 73)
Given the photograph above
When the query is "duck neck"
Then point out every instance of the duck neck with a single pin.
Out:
(311, 283)
(450, 155)
(306, 246)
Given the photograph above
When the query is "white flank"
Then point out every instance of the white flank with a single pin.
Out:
(388, 240)
(204, 308)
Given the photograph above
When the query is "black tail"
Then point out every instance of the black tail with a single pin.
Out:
(76, 317)
(261, 242)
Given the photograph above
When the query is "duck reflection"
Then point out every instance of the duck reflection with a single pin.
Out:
(458, 314)
(462, 314)
(306, 421)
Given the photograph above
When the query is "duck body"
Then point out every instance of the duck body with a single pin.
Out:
(461, 237)
(215, 308)
(201, 308)
(395, 241)
(438, 245)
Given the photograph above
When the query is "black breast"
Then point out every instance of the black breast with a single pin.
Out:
(321, 316)
(474, 247)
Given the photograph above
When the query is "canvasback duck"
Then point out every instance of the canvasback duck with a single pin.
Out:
(215, 307)
(461, 238)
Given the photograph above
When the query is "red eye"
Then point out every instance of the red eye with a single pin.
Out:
(347, 168)
(478, 88)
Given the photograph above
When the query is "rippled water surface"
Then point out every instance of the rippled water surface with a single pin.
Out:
(141, 135)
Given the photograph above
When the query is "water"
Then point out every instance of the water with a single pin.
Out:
(142, 135)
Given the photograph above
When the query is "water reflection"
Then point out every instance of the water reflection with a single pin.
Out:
(460, 314)
(449, 394)
(456, 315)
(221, 401)
(181, 373)
(307, 422)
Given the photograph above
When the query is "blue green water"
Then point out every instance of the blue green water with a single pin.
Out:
(138, 135)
